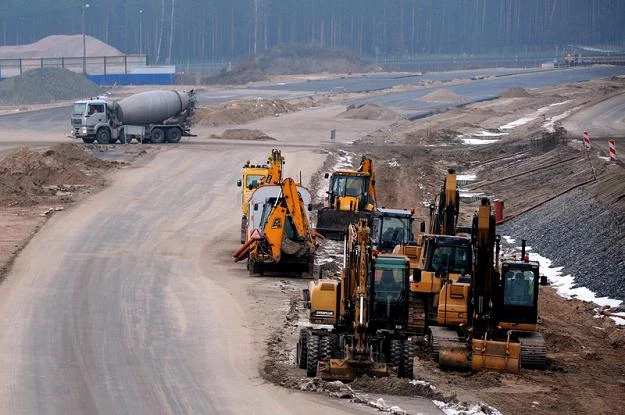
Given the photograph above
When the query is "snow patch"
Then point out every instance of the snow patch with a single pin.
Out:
(393, 163)
(566, 287)
(477, 141)
(509, 240)
(464, 408)
(485, 133)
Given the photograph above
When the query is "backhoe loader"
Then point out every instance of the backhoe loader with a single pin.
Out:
(280, 236)
(367, 310)
(501, 332)
(351, 197)
(254, 176)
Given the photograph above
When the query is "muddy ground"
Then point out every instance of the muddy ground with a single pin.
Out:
(586, 371)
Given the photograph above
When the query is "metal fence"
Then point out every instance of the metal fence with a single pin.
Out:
(94, 65)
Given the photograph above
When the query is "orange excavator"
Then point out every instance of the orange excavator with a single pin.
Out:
(281, 238)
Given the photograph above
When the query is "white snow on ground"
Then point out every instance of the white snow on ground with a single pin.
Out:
(510, 240)
(604, 158)
(464, 408)
(530, 118)
(560, 103)
(485, 133)
(466, 177)
(549, 125)
(393, 163)
(476, 141)
(565, 284)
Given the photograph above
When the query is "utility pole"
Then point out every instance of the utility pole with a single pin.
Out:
(85, 6)
(141, 32)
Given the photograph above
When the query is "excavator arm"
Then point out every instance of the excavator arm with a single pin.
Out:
(448, 206)
(275, 161)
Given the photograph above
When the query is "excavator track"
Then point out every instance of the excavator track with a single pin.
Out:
(439, 335)
(533, 350)
(416, 314)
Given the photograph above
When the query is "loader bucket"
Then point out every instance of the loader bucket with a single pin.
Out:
(333, 223)
(504, 356)
(347, 370)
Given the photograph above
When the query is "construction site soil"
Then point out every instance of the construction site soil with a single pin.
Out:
(566, 201)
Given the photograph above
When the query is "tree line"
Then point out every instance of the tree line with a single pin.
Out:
(179, 31)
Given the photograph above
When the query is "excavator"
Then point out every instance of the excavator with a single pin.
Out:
(254, 176)
(440, 266)
(367, 313)
(501, 329)
(351, 197)
(280, 235)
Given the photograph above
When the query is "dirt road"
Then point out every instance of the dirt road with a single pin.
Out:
(126, 305)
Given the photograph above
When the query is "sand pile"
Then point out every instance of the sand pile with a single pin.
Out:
(369, 112)
(59, 46)
(443, 95)
(515, 92)
(243, 134)
(46, 85)
(240, 112)
(28, 177)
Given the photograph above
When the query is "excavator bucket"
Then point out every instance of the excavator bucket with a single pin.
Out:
(502, 356)
(333, 223)
(347, 369)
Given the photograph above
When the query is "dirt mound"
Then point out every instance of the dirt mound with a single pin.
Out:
(243, 134)
(240, 112)
(369, 112)
(515, 92)
(28, 177)
(42, 86)
(397, 386)
(443, 95)
(58, 46)
(238, 74)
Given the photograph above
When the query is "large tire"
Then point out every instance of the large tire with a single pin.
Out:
(88, 140)
(326, 347)
(312, 356)
(174, 135)
(408, 354)
(396, 353)
(103, 136)
(157, 136)
(302, 349)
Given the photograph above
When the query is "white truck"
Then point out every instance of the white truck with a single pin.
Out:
(152, 116)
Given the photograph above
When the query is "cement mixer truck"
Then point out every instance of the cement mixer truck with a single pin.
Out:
(152, 116)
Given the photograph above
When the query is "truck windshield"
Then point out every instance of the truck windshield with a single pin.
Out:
(391, 231)
(79, 109)
(349, 185)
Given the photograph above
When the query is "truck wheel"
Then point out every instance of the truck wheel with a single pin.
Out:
(312, 355)
(174, 135)
(88, 140)
(103, 136)
(157, 136)
(302, 349)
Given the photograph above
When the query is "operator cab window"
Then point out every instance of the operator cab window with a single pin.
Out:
(519, 288)
(450, 259)
(252, 181)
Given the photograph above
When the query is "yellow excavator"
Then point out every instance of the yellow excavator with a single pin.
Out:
(254, 176)
(440, 266)
(281, 238)
(501, 329)
(367, 310)
(351, 197)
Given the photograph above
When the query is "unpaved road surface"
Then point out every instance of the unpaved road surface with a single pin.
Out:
(126, 305)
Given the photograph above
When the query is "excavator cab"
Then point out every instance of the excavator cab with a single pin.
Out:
(391, 227)
(390, 288)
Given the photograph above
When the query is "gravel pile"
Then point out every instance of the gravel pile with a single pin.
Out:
(46, 85)
(581, 235)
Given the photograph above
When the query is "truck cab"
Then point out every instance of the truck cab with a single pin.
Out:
(90, 120)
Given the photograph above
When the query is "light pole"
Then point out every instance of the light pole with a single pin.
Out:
(85, 6)
(140, 32)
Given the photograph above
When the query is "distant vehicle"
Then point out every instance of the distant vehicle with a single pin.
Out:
(152, 116)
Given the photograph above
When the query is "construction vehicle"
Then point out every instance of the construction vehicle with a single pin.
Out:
(281, 238)
(254, 176)
(151, 116)
(501, 330)
(391, 227)
(351, 197)
(440, 266)
(367, 312)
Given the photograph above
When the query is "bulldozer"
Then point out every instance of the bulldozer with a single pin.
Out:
(280, 236)
(367, 312)
(254, 176)
(501, 329)
(351, 197)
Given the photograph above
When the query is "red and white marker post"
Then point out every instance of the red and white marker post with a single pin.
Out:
(612, 150)
(586, 140)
